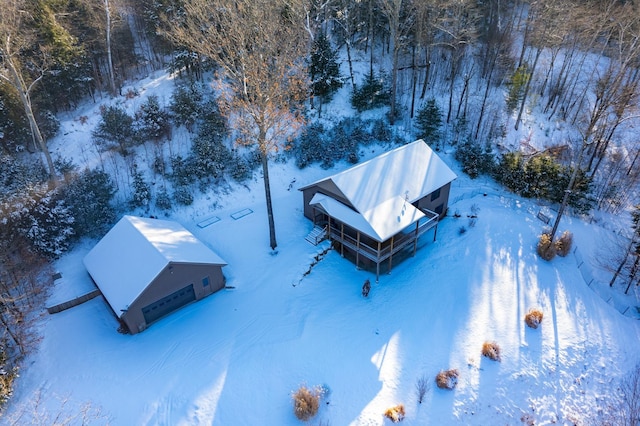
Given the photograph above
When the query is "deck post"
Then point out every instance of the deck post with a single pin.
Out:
(341, 239)
(415, 241)
(378, 263)
(391, 254)
(358, 251)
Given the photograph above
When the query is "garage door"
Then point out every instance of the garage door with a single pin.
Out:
(168, 304)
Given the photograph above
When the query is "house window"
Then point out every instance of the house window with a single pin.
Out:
(205, 281)
(435, 194)
(439, 209)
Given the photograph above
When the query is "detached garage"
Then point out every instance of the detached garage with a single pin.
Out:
(148, 268)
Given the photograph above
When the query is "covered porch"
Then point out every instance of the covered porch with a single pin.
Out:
(374, 241)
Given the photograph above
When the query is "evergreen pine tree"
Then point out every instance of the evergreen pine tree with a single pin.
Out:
(153, 121)
(141, 190)
(324, 70)
(428, 123)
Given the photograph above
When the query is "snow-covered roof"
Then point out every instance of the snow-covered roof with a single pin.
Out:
(380, 223)
(410, 171)
(129, 257)
(380, 188)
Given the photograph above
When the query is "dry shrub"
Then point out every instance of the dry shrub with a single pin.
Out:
(533, 318)
(395, 414)
(546, 248)
(491, 350)
(306, 403)
(447, 379)
(564, 243)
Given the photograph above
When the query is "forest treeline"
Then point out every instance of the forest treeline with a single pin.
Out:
(457, 73)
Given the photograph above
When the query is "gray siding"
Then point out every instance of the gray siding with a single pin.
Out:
(172, 278)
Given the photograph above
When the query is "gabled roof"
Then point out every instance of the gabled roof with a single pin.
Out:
(406, 173)
(132, 254)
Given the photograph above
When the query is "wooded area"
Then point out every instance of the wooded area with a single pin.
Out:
(457, 73)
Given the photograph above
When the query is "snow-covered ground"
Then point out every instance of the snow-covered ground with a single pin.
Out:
(235, 357)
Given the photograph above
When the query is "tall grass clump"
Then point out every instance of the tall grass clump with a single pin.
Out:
(306, 402)
(546, 249)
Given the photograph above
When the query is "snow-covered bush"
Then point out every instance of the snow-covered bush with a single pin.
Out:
(141, 190)
(491, 350)
(533, 318)
(541, 176)
(48, 224)
(185, 106)
(428, 123)
(115, 130)
(372, 93)
(475, 159)
(447, 379)
(564, 243)
(546, 249)
(310, 145)
(240, 168)
(181, 173)
(382, 131)
(210, 156)
(163, 200)
(89, 197)
(183, 196)
(152, 121)
(306, 402)
(395, 414)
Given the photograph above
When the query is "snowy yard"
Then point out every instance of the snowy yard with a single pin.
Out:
(235, 357)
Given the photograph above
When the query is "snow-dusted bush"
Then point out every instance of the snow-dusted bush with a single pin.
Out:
(141, 190)
(533, 318)
(152, 121)
(163, 200)
(491, 350)
(240, 168)
(395, 414)
(475, 159)
(210, 157)
(306, 402)
(382, 131)
(564, 243)
(371, 93)
(447, 379)
(181, 173)
(183, 196)
(89, 196)
(428, 123)
(48, 225)
(115, 130)
(309, 146)
(185, 106)
(546, 249)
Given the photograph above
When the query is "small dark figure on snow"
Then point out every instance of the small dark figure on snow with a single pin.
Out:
(365, 288)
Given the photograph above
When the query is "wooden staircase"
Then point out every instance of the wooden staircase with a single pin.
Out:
(317, 235)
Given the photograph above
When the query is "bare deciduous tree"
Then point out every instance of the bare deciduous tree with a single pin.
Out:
(259, 47)
(16, 38)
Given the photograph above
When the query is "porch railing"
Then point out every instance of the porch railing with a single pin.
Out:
(390, 247)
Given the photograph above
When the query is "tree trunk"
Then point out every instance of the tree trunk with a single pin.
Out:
(527, 87)
(621, 265)
(394, 84)
(112, 79)
(267, 189)
(567, 192)
(23, 91)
